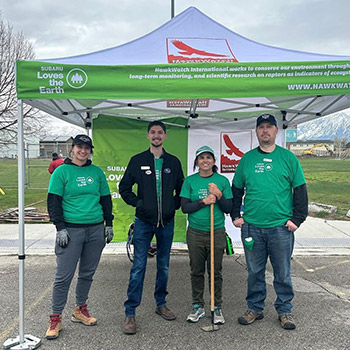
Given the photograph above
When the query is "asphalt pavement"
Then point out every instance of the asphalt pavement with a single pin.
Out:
(320, 271)
(314, 237)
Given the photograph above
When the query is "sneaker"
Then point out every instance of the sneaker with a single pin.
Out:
(287, 321)
(218, 316)
(55, 326)
(249, 317)
(196, 314)
(81, 314)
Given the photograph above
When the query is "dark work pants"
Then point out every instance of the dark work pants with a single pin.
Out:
(198, 243)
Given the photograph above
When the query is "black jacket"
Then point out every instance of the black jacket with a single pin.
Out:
(141, 171)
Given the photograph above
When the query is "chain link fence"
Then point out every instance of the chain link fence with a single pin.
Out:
(37, 160)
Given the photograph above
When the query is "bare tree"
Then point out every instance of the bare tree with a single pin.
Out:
(14, 46)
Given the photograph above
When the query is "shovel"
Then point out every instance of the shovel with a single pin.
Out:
(213, 326)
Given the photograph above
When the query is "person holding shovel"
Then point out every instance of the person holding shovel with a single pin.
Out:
(275, 205)
(199, 192)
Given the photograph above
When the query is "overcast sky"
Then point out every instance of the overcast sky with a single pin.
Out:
(71, 27)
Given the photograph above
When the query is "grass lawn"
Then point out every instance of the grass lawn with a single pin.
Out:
(38, 183)
(328, 182)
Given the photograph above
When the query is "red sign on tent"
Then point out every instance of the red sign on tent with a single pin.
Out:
(181, 50)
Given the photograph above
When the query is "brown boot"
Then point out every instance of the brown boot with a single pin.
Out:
(287, 321)
(55, 326)
(130, 325)
(249, 317)
(165, 313)
(81, 314)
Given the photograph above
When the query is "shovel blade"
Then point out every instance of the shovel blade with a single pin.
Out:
(211, 328)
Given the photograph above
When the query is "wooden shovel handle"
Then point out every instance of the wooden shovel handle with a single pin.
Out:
(212, 301)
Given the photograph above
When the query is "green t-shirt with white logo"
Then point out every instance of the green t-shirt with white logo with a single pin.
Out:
(268, 179)
(80, 188)
(196, 187)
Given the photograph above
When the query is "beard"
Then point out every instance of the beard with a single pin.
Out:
(266, 142)
(157, 145)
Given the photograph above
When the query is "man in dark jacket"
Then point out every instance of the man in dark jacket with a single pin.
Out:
(159, 178)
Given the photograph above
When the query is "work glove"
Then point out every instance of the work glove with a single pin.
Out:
(62, 238)
(109, 234)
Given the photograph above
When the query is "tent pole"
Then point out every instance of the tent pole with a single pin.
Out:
(88, 123)
(22, 341)
(21, 253)
(284, 127)
(172, 8)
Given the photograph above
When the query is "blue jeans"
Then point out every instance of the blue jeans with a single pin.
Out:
(143, 234)
(276, 243)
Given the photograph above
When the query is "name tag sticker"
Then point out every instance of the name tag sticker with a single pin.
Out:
(267, 160)
(145, 167)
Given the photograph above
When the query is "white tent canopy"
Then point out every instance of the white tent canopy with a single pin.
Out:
(190, 66)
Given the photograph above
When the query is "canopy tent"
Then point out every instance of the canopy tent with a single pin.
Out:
(191, 66)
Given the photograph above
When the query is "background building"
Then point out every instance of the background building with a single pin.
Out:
(59, 144)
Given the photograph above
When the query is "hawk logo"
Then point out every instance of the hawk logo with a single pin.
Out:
(199, 50)
(188, 50)
(233, 146)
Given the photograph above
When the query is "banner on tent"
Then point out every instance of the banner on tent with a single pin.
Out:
(229, 141)
(116, 140)
(44, 80)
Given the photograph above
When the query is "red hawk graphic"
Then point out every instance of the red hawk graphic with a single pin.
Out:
(188, 50)
(232, 147)
(228, 165)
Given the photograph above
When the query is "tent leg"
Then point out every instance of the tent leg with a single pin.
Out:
(29, 342)
(20, 342)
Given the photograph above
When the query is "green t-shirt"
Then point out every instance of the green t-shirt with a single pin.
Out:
(195, 188)
(80, 189)
(158, 162)
(268, 179)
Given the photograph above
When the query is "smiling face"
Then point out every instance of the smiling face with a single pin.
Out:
(156, 135)
(266, 134)
(205, 162)
(81, 153)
